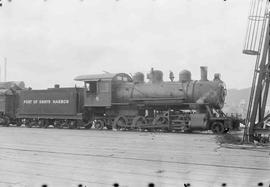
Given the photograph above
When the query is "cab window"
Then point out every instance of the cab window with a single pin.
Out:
(91, 87)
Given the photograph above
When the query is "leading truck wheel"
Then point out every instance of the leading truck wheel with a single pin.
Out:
(217, 127)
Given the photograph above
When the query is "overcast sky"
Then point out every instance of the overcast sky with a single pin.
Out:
(49, 42)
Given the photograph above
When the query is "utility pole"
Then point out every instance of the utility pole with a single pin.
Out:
(5, 73)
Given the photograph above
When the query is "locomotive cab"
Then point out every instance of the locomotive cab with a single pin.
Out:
(98, 88)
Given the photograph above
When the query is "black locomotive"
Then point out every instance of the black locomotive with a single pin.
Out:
(117, 101)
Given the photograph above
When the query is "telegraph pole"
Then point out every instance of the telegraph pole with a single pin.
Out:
(5, 69)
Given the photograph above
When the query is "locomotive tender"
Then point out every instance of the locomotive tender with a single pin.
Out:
(117, 101)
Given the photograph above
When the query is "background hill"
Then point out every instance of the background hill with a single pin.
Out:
(235, 96)
(237, 101)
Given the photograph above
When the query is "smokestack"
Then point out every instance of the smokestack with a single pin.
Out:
(204, 73)
(217, 77)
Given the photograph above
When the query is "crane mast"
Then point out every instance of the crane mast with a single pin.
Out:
(257, 42)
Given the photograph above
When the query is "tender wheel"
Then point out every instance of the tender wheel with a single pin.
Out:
(46, 124)
(138, 122)
(72, 124)
(63, 124)
(40, 123)
(57, 125)
(120, 122)
(99, 124)
(28, 124)
(4, 121)
(217, 127)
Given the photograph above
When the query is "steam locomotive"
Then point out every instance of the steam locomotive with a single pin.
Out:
(121, 102)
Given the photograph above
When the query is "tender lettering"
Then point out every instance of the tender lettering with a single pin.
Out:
(60, 101)
(27, 101)
(46, 101)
